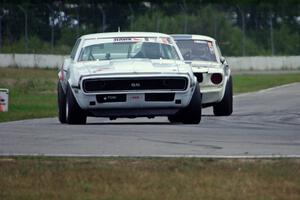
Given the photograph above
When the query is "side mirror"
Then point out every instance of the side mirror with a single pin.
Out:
(222, 59)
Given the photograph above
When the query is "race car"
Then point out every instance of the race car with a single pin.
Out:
(211, 69)
(127, 74)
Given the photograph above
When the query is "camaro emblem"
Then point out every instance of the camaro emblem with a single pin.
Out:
(135, 85)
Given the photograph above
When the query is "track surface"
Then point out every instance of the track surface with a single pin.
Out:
(265, 123)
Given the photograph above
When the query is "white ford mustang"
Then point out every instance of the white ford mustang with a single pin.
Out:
(211, 70)
(127, 74)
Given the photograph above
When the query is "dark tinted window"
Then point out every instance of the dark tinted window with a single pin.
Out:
(197, 50)
(124, 50)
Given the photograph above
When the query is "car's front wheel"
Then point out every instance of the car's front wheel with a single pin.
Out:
(74, 114)
(192, 113)
(224, 107)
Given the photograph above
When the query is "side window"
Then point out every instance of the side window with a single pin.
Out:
(74, 50)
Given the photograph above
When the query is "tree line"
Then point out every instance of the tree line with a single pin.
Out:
(242, 28)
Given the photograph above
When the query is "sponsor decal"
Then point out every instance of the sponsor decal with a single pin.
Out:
(122, 39)
(163, 40)
(127, 39)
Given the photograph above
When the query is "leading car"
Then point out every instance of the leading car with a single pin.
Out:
(211, 70)
(127, 74)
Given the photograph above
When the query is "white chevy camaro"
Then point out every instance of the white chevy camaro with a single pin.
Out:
(127, 74)
(211, 70)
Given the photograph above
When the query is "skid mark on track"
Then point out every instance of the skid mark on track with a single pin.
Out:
(190, 143)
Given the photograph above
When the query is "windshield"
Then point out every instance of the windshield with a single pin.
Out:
(197, 50)
(124, 49)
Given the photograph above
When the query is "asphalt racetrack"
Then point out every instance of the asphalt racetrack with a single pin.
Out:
(264, 124)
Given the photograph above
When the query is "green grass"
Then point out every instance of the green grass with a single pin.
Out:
(254, 82)
(148, 178)
(33, 91)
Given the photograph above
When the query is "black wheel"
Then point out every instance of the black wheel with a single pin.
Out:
(61, 101)
(174, 119)
(74, 114)
(224, 107)
(192, 113)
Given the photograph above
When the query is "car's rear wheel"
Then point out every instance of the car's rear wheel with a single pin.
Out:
(61, 101)
(74, 114)
(225, 107)
(192, 113)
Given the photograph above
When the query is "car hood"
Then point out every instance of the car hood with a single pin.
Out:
(128, 66)
(131, 66)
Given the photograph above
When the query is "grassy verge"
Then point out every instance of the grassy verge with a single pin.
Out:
(253, 82)
(146, 178)
(33, 91)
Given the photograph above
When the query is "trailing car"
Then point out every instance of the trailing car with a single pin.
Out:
(211, 70)
(127, 74)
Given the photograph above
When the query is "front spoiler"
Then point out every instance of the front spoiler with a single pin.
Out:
(131, 113)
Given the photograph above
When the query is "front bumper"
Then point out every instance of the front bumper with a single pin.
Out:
(134, 102)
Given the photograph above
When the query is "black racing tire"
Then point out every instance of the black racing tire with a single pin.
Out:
(174, 119)
(61, 102)
(74, 114)
(192, 113)
(225, 107)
